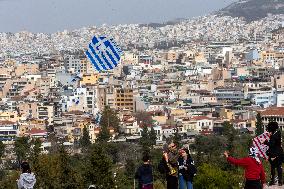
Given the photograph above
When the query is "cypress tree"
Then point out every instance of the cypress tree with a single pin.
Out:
(98, 168)
(145, 140)
(259, 125)
(85, 139)
(22, 148)
(67, 178)
(109, 119)
(104, 134)
(230, 134)
(152, 136)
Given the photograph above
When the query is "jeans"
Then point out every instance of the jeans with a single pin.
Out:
(183, 184)
(276, 164)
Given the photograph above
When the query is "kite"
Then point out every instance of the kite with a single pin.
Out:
(98, 118)
(258, 143)
(103, 53)
(75, 78)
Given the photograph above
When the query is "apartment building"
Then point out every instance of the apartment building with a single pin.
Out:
(76, 64)
(45, 112)
(229, 94)
(8, 131)
(273, 114)
(124, 99)
(28, 109)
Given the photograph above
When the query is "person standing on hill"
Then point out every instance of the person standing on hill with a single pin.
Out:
(186, 170)
(27, 179)
(275, 152)
(144, 174)
(254, 172)
(169, 165)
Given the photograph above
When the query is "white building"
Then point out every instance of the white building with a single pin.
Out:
(280, 100)
(8, 131)
(203, 123)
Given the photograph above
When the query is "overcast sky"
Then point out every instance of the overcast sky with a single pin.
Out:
(56, 15)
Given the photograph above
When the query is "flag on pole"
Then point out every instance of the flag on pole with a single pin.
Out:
(258, 143)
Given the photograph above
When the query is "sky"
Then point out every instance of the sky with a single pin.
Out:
(50, 16)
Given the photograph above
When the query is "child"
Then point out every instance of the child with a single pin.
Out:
(27, 179)
(254, 172)
(144, 174)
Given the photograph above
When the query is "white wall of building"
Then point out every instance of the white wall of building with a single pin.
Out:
(280, 100)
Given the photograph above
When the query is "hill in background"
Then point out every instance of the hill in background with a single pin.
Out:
(253, 9)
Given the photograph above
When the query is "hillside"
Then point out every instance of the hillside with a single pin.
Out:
(253, 9)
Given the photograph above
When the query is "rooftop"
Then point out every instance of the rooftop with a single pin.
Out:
(274, 111)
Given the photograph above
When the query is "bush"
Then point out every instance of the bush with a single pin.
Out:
(212, 177)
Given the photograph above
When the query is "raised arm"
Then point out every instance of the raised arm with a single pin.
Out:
(240, 162)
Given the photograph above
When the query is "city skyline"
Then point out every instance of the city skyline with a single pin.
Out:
(52, 16)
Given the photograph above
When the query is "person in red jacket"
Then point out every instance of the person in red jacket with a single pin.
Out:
(254, 172)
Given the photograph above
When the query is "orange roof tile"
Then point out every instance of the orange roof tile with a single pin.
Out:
(6, 122)
(198, 118)
(36, 131)
(274, 111)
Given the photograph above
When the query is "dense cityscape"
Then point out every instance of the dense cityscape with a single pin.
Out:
(188, 78)
(185, 72)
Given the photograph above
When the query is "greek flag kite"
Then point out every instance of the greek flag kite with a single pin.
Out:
(103, 53)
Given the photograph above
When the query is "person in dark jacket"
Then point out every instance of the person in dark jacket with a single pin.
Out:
(275, 152)
(169, 165)
(254, 172)
(144, 174)
(186, 170)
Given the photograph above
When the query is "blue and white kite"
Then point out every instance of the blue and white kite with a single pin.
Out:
(98, 117)
(104, 53)
(76, 77)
